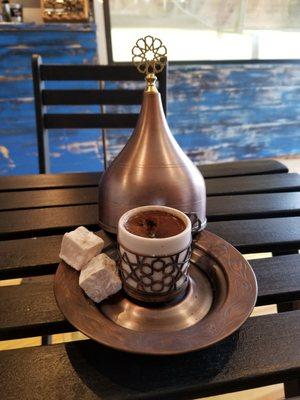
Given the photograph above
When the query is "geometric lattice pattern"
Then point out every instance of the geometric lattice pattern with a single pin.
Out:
(149, 55)
(155, 275)
(195, 221)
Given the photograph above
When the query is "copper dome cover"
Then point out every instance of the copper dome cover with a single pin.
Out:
(151, 169)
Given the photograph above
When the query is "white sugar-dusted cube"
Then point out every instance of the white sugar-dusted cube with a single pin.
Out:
(99, 278)
(79, 247)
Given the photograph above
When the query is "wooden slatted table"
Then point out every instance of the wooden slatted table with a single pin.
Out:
(254, 208)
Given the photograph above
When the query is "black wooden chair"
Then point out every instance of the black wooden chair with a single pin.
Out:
(42, 73)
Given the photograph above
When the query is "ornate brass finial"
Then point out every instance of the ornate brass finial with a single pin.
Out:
(150, 57)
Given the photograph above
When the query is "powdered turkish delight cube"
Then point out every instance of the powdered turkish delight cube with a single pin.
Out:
(79, 247)
(99, 278)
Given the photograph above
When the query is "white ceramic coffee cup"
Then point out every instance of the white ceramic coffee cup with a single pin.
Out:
(154, 268)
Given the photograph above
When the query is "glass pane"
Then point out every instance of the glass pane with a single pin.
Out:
(277, 44)
(208, 29)
(185, 44)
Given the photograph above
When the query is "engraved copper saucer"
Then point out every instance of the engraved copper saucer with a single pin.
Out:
(220, 297)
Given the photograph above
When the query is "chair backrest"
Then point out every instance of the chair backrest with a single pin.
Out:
(42, 73)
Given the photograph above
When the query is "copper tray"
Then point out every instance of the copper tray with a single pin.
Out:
(220, 297)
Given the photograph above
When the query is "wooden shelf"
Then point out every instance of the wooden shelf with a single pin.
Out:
(11, 26)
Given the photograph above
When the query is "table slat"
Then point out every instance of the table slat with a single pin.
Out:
(253, 184)
(242, 168)
(25, 257)
(32, 256)
(237, 168)
(22, 223)
(269, 234)
(253, 206)
(46, 181)
(37, 256)
(278, 279)
(30, 309)
(39, 221)
(36, 314)
(266, 350)
(26, 199)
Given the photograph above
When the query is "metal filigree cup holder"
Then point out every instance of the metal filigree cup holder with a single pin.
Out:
(156, 270)
(154, 279)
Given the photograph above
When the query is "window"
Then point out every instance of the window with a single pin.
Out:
(208, 29)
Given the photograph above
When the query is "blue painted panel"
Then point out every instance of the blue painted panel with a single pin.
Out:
(233, 111)
(216, 111)
(57, 43)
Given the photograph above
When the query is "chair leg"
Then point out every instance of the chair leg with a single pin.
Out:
(104, 131)
(291, 388)
(104, 146)
(46, 339)
(43, 149)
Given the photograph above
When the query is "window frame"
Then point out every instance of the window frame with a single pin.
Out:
(109, 50)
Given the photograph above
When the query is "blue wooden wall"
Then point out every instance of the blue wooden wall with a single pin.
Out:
(217, 111)
(56, 43)
(228, 111)
(235, 111)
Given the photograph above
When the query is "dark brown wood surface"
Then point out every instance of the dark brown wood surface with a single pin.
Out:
(46, 220)
(30, 256)
(39, 255)
(23, 200)
(17, 223)
(56, 196)
(268, 183)
(43, 208)
(83, 179)
(278, 280)
(33, 310)
(256, 355)
(266, 234)
(247, 167)
(27, 182)
(222, 208)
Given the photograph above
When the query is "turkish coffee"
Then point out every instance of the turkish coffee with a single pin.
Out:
(155, 224)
